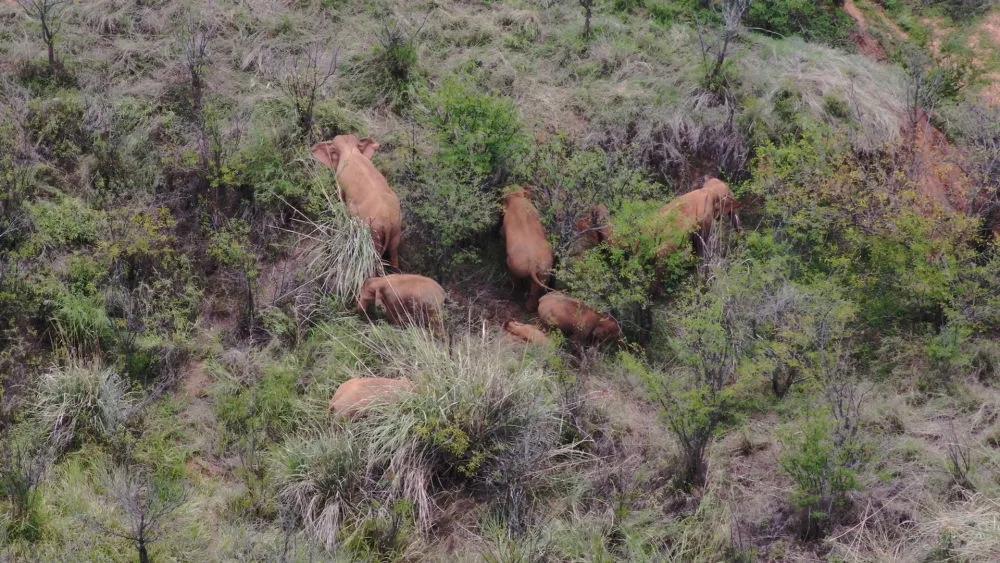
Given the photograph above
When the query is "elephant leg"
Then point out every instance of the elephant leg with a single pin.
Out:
(393, 249)
(535, 292)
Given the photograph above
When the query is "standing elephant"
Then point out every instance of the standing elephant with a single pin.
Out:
(696, 212)
(364, 189)
(592, 229)
(529, 254)
(577, 320)
(405, 299)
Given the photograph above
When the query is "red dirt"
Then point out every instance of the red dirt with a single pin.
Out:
(936, 170)
(867, 44)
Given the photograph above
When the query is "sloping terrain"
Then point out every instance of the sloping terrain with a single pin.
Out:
(813, 378)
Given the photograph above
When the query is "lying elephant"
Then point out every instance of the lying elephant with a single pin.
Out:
(526, 333)
(364, 189)
(696, 212)
(405, 299)
(355, 395)
(529, 254)
(581, 323)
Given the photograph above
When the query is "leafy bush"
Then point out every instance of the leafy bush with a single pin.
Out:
(78, 401)
(56, 124)
(478, 134)
(67, 221)
(821, 471)
(481, 418)
(22, 469)
(389, 70)
(480, 142)
(815, 20)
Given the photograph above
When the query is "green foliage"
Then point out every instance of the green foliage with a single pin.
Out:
(81, 320)
(624, 276)
(56, 125)
(814, 20)
(81, 401)
(22, 468)
(480, 141)
(477, 133)
(821, 471)
(388, 72)
(67, 221)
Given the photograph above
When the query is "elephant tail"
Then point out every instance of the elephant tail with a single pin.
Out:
(534, 278)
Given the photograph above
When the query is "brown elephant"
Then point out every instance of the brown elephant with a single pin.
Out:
(405, 299)
(355, 395)
(695, 213)
(526, 333)
(364, 189)
(529, 254)
(581, 323)
(592, 229)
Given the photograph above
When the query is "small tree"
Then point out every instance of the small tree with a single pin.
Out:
(303, 78)
(714, 53)
(230, 248)
(49, 16)
(588, 12)
(144, 508)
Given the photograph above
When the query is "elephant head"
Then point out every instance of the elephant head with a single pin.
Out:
(606, 330)
(330, 153)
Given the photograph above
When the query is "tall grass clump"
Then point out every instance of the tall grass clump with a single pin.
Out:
(81, 400)
(342, 252)
(482, 421)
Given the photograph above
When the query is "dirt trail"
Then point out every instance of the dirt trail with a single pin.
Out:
(867, 44)
(937, 165)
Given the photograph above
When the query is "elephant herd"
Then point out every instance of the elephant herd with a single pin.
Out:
(407, 299)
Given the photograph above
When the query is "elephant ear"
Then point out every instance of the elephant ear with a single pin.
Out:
(327, 153)
(368, 146)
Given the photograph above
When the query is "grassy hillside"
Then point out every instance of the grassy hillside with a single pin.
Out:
(178, 278)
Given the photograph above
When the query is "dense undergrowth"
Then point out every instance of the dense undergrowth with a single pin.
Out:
(177, 283)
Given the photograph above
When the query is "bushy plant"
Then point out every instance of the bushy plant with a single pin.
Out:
(80, 401)
(821, 471)
(480, 419)
(56, 124)
(81, 321)
(386, 75)
(815, 20)
(67, 221)
(457, 194)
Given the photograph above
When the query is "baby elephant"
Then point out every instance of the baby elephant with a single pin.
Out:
(581, 323)
(522, 332)
(355, 395)
(405, 299)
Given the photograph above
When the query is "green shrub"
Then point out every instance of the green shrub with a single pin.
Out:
(81, 320)
(386, 75)
(67, 221)
(80, 401)
(56, 125)
(480, 418)
(814, 20)
(478, 134)
(821, 471)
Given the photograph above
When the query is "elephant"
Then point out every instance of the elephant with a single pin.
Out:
(405, 299)
(529, 254)
(591, 229)
(696, 212)
(522, 332)
(355, 395)
(364, 190)
(581, 323)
